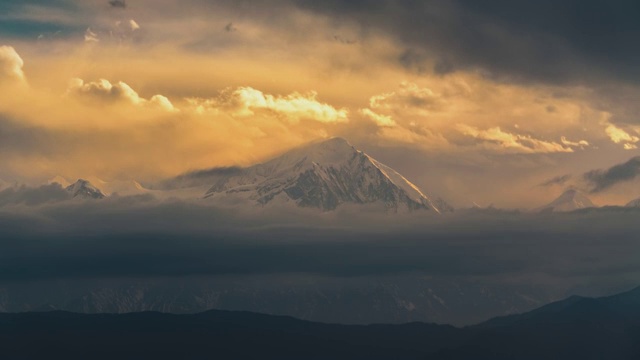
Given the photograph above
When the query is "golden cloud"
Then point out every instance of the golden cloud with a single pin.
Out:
(11, 65)
(104, 90)
(429, 116)
(409, 96)
(378, 119)
(618, 135)
(295, 107)
(497, 138)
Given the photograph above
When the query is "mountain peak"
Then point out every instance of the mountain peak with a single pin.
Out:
(570, 200)
(84, 189)
(335, 141)
(324, 174)
(634, 204)
(327, 151)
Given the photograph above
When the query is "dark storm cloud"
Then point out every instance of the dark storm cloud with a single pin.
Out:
(543, 40)
(131, 238)
(558, 180)
(604, 179)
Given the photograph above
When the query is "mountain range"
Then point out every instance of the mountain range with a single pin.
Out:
(575, 328)
(323, 175)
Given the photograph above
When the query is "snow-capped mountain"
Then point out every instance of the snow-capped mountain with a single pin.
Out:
(320, 175)
(85, 190)
(634, 204)
(570, 200)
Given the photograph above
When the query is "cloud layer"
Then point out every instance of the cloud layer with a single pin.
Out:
(111, 238)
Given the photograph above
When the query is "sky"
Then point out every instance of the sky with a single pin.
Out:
(495, 106)
(503, 103)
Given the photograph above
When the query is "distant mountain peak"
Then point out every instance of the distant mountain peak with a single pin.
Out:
(570, 200)
(324, 175)
(84, 189)
(634, 204)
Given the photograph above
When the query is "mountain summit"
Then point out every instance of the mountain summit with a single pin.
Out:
(321, 175)
(634, 204)
(85, 190)
(570, 200)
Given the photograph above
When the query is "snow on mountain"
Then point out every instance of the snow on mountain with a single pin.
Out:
(85, 190)
(634, 204)
(570, 200)
(120, 187)
(322, 175)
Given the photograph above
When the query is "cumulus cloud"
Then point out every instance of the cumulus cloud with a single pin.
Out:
(499, 139)
(618, 135)
(604, 179)
(295, 107)
(11, 64)
(104, 90)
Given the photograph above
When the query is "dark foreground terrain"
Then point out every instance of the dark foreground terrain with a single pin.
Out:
(576, 328)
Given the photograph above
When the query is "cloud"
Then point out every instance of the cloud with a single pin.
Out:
(618, 135)
(558, 180)
(505, 118)
(295, 107)
(110, 239)
(11, 65)
(133, 25)
(577, 144)
(90, 36)
(104, 90)
(118, 4)
(409, 96)
(199, 178)
(230, 28)
(601, 180)
(555, 44)
(380, 120)
(33, 196)
(497, 138)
